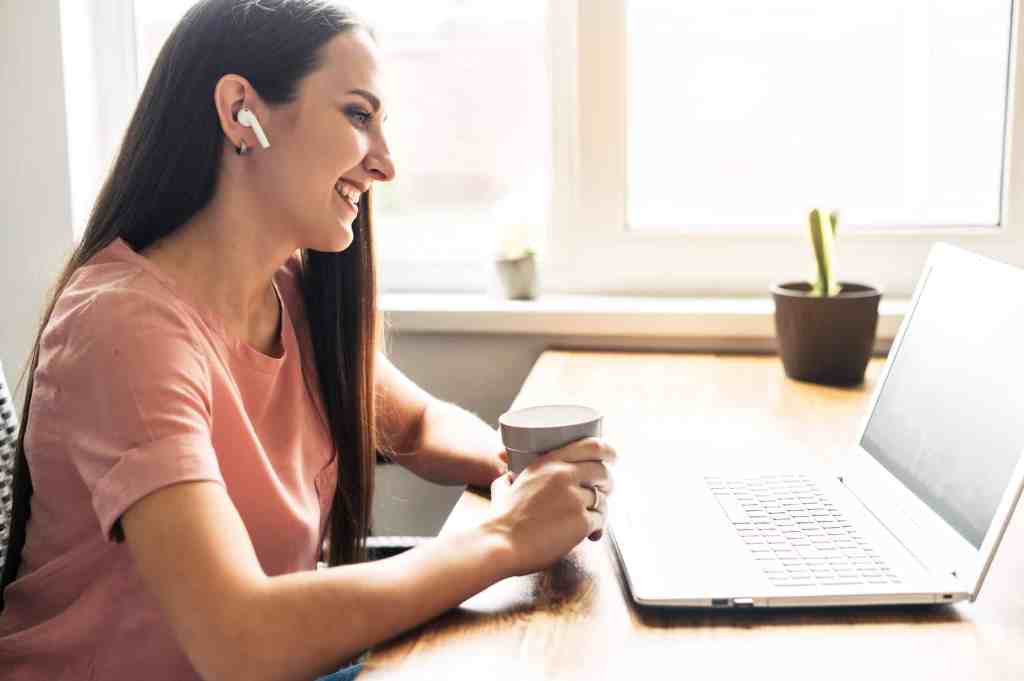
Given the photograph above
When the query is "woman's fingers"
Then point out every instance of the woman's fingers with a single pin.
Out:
(585, 473)
(596, 516)
(587, 449)
(577, 473)
(595, 474)
(500, 486)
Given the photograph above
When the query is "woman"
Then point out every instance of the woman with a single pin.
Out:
(206, 394)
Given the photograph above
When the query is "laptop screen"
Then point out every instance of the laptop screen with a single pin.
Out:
(949, 420)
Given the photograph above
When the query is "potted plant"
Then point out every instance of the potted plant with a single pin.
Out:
(518, 275)
(515, 264)
(825, 328)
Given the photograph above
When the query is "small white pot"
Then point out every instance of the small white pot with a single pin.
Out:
(518, 277)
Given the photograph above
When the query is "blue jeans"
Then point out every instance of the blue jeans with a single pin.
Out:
(344, 674)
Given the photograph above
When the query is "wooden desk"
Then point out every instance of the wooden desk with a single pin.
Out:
(575, 620)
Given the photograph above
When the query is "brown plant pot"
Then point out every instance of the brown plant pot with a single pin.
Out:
(826, 340)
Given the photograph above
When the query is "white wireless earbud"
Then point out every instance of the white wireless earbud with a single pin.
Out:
(247, 118)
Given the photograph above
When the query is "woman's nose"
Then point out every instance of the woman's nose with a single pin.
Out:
(379, 164)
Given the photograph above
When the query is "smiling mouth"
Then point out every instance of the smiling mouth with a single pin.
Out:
(348, 193)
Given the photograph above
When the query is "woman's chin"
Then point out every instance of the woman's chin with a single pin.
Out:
(341, 239)
(330, 238)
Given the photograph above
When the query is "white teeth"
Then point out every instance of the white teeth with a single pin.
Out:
(347, 192)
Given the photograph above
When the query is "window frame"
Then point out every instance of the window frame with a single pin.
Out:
(99, 62)
(589, 239)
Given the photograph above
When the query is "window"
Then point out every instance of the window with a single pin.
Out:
(469, 127)
(656, 147)
(706, 130)
(743, 112)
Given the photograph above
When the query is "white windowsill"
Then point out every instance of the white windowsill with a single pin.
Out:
(585, 315)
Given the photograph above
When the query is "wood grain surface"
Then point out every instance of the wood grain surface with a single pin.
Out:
(575, 620)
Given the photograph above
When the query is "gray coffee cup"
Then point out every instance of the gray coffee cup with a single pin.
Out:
(528, 433)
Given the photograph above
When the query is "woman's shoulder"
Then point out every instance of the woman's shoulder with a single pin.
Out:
(117, 291)
(110, 296)
(114, 321)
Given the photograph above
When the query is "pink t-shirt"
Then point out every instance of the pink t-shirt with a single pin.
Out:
(139, 387)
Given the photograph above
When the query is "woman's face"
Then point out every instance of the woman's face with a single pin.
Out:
(328, 146)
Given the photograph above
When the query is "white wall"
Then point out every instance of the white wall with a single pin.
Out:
(35, 213)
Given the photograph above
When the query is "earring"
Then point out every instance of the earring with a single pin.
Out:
(241, 149)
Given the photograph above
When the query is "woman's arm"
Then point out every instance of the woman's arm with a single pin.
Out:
(234, 622)
(455, 447)
(401, 404)
(438, 441)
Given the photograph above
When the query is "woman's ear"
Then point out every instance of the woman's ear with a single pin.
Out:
(231, 93)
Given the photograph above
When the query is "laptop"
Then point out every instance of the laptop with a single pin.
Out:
(912, 513)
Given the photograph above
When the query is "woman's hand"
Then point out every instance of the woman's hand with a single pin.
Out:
(545, 512)
(480, 468)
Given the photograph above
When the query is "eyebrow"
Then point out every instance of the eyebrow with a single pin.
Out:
(368, 96)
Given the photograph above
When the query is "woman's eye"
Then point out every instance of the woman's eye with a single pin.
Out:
(360, 116)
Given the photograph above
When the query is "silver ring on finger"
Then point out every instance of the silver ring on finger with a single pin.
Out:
(596, 506)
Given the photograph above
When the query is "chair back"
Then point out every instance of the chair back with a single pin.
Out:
(8, 440)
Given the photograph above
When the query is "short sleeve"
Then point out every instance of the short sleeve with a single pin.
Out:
(135, 400)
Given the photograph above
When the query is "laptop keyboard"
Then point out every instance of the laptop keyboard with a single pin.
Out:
(796, 535)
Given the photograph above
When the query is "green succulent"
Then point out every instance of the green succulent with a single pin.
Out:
(824, 240)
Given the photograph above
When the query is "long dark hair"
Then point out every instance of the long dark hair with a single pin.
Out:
(166, 170)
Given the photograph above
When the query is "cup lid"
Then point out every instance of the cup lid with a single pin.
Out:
(546, 426)
(549, 416)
